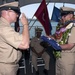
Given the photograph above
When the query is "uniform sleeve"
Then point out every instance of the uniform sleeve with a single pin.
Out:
(72, 36)
(11, 37)
(32, 42)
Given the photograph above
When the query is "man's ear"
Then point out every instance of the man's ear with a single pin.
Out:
(3, 12)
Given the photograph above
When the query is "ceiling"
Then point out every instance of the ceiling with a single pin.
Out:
(26, 2)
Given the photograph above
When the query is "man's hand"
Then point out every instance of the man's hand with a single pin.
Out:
(44, 44)
(39, 54)
(23, 19)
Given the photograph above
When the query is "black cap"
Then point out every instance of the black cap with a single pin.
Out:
(66, 11)
(38, 29)
(63, 13)
(11, 6)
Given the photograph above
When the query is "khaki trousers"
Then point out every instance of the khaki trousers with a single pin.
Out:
(66, 64)
(45, 57)
(8, 69)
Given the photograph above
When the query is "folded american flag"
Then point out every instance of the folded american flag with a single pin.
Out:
(52, 42)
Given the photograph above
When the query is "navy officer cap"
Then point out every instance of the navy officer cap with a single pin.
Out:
(11, 6)
(66, 11)
(38, 29)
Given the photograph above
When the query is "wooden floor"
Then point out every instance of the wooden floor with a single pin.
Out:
(28, 66)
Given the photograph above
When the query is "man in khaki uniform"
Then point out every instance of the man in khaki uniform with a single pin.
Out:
(11, 41)
(39, 51)
(66, 64)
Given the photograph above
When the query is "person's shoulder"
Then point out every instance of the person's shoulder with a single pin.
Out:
(33, 38)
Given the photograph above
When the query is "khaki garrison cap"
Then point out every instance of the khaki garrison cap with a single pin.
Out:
(11, 6)
(66, 10)
(38, 30)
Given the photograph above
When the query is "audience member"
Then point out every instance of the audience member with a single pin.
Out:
(39, 51)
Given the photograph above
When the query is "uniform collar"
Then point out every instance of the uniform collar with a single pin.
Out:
(5, 21)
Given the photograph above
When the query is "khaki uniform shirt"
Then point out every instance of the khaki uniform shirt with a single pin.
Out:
(9, 42)
(66, 64)
(72, 38)
(35, 42)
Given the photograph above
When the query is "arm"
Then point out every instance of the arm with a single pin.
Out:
(42, 51)
(67, 46)
(32, 48)
(25, 40)
(51, 36)
(39, 54)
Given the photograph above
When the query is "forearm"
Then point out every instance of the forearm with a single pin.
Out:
(25, 33)
(67, 46)
(43, 51)
(34, 51)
